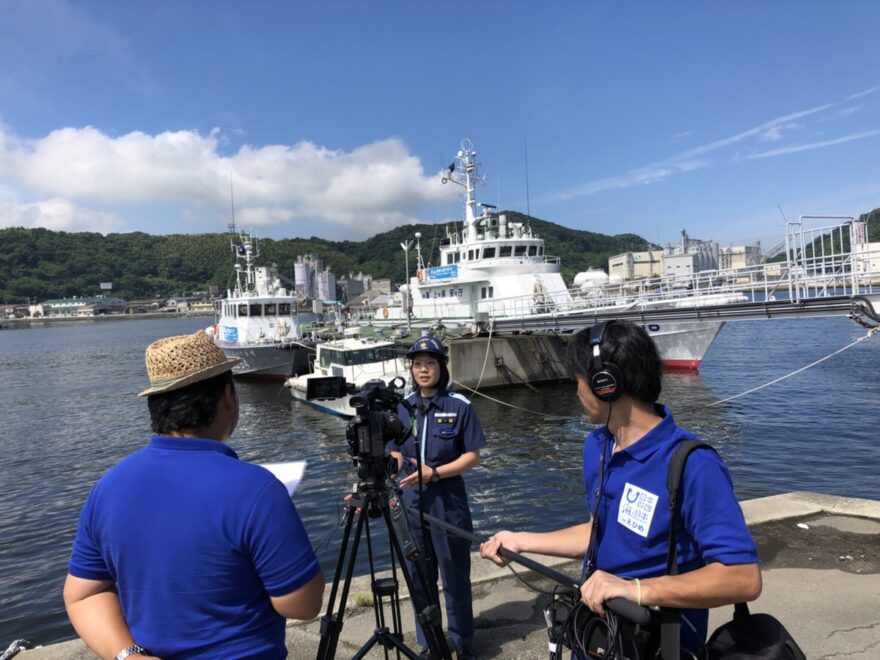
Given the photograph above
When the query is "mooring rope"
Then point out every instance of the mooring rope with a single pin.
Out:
(868, 335)
(510, 405)
(871, 332)
(486, 357)
(15, 647)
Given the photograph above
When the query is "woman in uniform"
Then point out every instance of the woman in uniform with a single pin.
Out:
(447, 436)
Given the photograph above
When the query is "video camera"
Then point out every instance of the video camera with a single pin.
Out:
(374, 424)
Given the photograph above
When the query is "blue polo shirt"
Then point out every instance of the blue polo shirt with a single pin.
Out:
(196, 541)
(633, 514)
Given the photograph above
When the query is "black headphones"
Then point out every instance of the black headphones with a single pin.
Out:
(606, 379)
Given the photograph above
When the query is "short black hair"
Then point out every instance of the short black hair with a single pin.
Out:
(189, 407)
(630, 349)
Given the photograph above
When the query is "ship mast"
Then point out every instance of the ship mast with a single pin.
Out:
(466, 176)
(247, 251)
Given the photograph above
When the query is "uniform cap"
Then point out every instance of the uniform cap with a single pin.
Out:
(430, 345)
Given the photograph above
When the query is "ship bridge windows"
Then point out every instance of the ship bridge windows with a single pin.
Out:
(242, 309)
(283, 309)
(489, 252)
(453, 257)
(368, 355)
(533, 250)
(505, 251)
(331, 357)
(255, 309)
(520, 251)
(270, 309)
(487, 292)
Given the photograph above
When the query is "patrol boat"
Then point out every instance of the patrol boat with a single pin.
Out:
(260, 321)
(356, 360)
(498, 271)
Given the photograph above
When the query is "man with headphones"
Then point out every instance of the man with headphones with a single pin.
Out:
(624, 540)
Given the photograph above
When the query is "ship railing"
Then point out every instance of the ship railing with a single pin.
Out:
(811, 278)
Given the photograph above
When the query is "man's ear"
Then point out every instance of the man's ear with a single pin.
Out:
(228, 398)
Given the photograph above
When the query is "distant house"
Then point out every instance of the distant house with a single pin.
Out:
(79, 306)
(145, 305)
(186, 304)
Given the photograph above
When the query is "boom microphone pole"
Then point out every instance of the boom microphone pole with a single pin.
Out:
(625, 608)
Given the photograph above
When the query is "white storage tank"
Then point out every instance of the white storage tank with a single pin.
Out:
(591, 279)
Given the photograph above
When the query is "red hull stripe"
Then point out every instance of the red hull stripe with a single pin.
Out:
(682, 364)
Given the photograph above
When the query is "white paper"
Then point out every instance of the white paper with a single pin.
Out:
(290, 474)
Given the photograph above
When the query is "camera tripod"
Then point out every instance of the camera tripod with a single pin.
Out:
(372, 500)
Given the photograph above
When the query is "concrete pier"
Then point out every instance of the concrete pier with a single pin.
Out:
(820, 559)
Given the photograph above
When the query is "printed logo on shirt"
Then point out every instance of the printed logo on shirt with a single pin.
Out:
(636, 510)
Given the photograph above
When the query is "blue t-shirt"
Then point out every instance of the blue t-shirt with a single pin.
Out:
(196, 541)
(633, 514)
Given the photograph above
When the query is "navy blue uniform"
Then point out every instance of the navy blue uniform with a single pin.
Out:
(446, 427)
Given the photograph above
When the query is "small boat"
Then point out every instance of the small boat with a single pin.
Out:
(260, 320)
(356, 360)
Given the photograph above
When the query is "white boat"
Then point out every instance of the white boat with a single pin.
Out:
(358, 361)
(259, 320)
(495, 270)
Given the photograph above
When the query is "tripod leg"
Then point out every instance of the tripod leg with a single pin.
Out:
(429, 617)
(331, 624)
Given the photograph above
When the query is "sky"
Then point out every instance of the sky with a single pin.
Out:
(336, 119)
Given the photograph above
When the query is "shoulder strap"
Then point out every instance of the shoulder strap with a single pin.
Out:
(673, 481)
(670, 619)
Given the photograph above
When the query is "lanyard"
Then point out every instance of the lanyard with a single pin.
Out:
(424, 435)
(590, 557)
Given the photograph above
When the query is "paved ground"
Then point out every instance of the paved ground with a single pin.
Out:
(821, 569)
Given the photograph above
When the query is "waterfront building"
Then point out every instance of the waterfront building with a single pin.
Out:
(78, 306)
(636, 265)
(739, 256)
(683, 259)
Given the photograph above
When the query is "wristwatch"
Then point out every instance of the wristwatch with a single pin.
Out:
(434, 475)
(130, 650)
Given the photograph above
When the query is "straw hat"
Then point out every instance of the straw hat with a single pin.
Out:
(175, 362)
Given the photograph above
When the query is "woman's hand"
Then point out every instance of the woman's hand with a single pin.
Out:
(412, 480)
(602, 586)
(490, 547)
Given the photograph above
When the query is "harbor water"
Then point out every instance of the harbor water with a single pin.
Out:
(68, 411)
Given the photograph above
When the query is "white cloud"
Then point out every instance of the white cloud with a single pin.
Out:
(57, 214)
(778, 132)
(866, 92)
(792, 149)
(691, 159)
(377, 185)
(263, 215)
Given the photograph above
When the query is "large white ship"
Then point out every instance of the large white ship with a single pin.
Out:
(259, 320)
(494, 270)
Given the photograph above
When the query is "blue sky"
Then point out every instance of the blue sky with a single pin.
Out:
(334, 119)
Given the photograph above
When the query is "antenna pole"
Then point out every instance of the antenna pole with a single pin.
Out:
(526, 152)
(231, 207)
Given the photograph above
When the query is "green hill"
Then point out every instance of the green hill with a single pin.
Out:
(40, 264)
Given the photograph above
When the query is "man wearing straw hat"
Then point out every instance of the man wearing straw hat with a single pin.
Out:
(181, 548)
